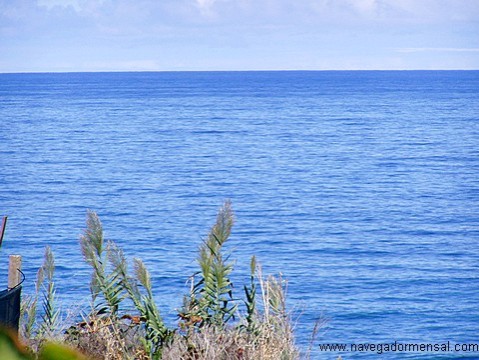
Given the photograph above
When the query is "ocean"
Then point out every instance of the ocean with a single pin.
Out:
(360, 188)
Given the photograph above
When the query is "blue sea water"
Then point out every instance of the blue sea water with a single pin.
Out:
(360, 188)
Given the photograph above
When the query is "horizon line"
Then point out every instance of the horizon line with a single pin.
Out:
(198, 71)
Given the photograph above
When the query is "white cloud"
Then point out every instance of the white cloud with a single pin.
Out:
(363, 6)
(77, 5)
(50, 4)
(205, 3)
(206, 7)
(238, 33)
(341, 12)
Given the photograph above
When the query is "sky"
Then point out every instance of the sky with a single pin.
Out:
(190, 35)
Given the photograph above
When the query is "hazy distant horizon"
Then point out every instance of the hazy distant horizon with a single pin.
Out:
(212, 71)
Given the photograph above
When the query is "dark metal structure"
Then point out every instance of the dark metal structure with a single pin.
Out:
(10, 307)
(9, 299)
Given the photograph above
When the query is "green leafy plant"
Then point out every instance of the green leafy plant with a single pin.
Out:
(47, 323)
(156, 332)
(28, 313)
(12, 349)
(250, 301)
(105, 282)
(51, 314)
(211, 299)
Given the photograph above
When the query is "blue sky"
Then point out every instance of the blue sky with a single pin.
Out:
(136, 35)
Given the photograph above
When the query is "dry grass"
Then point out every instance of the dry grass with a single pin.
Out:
(107, 339)
(230, 344)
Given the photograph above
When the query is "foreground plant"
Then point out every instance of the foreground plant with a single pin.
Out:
(210, 306)
(156, 334)
(211, 324)
(38, 326)
(12, 349)
(210, 301)
(250, 302)
(111, 284)
(105, 286)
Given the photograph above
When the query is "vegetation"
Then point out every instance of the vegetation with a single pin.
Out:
(211, 324)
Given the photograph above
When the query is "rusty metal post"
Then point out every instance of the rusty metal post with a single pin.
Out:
(2, 229)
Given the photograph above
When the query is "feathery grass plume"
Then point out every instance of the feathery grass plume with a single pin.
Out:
(156, 332)
(51, 315)
(211, 299)
(104, 283)
(276, 290)
(33, 329)
(250, 301)
(104, 334)
(275, 317)
(28, 309)
(274, 303)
